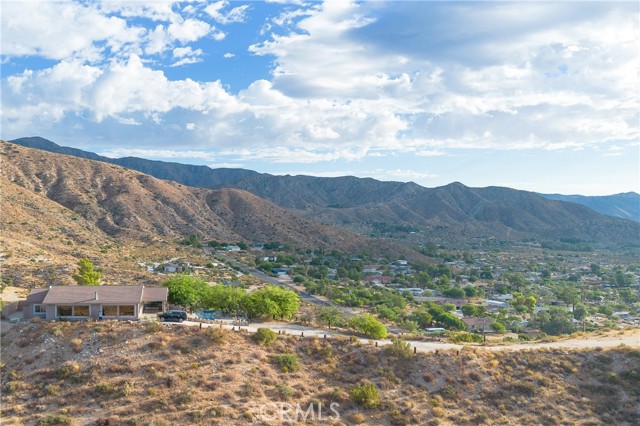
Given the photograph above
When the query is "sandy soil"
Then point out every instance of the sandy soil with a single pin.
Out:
(14, 294)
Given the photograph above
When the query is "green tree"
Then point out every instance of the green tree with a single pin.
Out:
(422, 318)
(330, 316)
(86, 274)
(468, 310)
(470, 291)
(369, 325)
(227, 299)
(516, 281)
(272, 302)
(580, 312)
(192, 240)
(187, 291)
(451, 321)
(569, 295)
(523, 303)
(555, 321)
(454, 292)
(498, 327)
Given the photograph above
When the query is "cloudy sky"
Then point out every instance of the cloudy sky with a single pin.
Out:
(542, 96)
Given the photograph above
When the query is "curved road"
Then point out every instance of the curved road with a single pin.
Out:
(272, 280)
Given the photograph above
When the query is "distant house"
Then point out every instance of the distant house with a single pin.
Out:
(178, 267)
(495, 304)
(84, 302)
(412, 290)
(281, 271)
(478, 324)
(378, 279)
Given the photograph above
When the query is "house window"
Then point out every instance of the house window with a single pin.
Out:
(39, 309)
(80, 311)
(127, 311)
(72, 311)
(65, 311)
(110, 310)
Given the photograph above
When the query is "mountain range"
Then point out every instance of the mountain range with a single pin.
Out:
(625, 205)
(87, 200)
(453, 212)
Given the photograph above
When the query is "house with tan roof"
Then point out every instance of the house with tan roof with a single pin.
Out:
(84, 302)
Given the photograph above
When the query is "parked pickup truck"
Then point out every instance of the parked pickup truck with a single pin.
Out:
(177, 316)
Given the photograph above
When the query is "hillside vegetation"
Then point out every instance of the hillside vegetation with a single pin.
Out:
(109, 373)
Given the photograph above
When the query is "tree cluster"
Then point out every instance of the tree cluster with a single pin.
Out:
(268, 302)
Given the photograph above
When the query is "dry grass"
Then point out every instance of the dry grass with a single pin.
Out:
(125, 374)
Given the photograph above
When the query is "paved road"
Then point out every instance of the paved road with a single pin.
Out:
(304, 296)
(632, 340)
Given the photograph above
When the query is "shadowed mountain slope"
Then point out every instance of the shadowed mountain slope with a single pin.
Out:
(625, 205)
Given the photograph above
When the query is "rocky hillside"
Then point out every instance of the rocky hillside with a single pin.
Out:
(110, 373)
(127, 204)
(453, 212)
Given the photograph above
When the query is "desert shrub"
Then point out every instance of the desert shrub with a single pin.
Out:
(57, 329)
(126, 388)
(14, 387)
(217, 335)
(51, 390)
(366, 395)
(449, 392)
(284, 391)
(438, 412)
(184, 398)
(54, 420)
(286, 362)
(104, 388)
(634, 353)
(68, 370)
(464, 337)
(522, 388)
(399, 349)
(264, 336)
(76, 345)
(356, 418)
(152, 327)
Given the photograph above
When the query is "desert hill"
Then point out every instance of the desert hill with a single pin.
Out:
(114, 373)
(128, 204)
(453, 212)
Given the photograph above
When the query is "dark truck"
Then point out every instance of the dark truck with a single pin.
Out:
(177, 316)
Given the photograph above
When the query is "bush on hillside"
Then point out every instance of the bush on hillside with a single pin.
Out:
(265, 337)
(365, 394)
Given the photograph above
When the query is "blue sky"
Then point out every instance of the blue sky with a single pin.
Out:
(541, 96)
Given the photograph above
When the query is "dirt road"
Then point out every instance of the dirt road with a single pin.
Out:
(629, 337)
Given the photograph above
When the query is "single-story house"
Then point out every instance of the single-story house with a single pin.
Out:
(478, 324)
(378, 279)
(83, 302)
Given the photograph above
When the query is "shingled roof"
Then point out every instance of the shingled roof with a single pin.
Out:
(106, 294)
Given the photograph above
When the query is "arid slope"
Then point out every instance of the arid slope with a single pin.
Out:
(121, 374)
